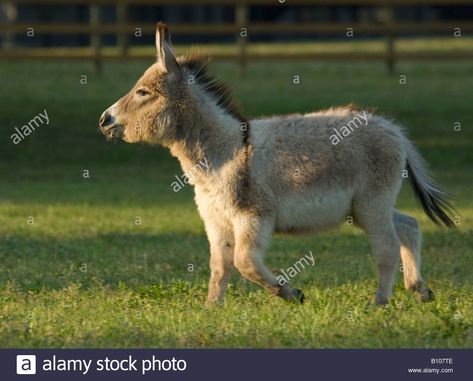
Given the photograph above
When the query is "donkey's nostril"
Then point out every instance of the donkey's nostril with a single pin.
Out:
(105, 119)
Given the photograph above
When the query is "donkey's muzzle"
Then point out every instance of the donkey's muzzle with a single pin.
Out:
(105, 119)
(109, 127)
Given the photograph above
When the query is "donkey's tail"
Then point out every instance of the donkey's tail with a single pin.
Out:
(433, 199)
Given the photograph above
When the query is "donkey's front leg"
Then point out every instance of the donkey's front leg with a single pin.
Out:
(221, 260)
(252, 236)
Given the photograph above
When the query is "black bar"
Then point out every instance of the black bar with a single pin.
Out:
(243, 364)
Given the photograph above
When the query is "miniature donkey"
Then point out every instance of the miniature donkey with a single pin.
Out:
(279, 174)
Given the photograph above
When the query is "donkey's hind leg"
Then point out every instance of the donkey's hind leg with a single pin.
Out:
(407, 230)
(252, 236)
(385, 245)
(377, 222)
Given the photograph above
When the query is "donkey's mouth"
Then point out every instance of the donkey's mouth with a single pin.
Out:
(113, 132)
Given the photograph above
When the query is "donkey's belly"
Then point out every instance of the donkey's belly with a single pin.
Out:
(312, 211)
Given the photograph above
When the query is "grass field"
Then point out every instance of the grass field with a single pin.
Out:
(83, 272)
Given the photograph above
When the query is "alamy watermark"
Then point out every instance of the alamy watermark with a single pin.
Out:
(361, 119)
(25, 130)
(181, 181)
(289, 273)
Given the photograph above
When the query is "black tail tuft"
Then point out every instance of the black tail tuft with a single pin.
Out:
(434, 201)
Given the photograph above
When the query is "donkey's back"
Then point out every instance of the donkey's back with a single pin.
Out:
(318, 167)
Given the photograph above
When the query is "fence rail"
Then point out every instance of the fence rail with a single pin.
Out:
(123, 29)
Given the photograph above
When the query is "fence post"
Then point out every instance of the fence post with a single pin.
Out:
(95, 38)
(241, 20)
(10, 10)
(122, 36)
(390, 53)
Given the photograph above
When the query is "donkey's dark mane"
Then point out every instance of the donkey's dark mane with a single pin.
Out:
(197, 65)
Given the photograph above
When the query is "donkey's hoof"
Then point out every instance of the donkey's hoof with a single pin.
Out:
(293, 295)
(298, 296)
(424, 295)
(210, 304)
(380, 300)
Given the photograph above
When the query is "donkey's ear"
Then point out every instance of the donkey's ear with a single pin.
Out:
(165, 52)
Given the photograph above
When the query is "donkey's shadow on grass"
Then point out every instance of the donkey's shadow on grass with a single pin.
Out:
(143, 261)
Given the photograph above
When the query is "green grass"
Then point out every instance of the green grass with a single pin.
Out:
(84, 274)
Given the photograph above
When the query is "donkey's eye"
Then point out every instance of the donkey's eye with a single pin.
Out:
(142, 92)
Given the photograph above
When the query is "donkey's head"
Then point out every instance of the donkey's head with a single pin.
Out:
(149, 112)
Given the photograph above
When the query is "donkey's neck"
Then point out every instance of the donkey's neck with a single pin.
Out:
(210, 135)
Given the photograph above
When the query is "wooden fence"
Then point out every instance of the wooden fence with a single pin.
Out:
(389, 27)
